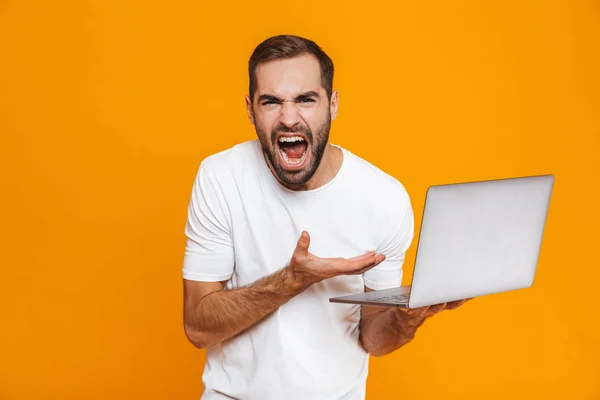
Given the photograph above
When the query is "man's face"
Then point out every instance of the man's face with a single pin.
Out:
(292, 116)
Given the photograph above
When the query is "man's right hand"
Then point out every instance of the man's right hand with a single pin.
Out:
(213, 315)
(308, 267)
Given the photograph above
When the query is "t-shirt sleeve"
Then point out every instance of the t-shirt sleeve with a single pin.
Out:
(398, 234)
(209, 252)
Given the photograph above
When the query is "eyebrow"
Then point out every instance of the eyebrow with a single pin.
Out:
(276, 99)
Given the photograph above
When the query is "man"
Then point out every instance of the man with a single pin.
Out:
(279, 225)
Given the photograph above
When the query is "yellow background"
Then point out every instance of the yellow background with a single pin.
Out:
(107, 108)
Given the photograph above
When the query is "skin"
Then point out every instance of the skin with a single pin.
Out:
(280, 105)
(290, 100)
(214, 314)
(386, 329)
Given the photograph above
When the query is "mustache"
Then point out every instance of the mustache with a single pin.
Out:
(284, 129)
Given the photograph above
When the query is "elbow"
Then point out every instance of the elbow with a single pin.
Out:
(371, 348)
(197, 337)
(377, 353)
(383, 348)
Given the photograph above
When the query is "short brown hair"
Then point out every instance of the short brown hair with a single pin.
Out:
(290, 46)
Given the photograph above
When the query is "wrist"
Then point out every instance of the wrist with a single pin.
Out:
(299, 280)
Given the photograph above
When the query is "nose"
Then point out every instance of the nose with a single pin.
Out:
(289, 115)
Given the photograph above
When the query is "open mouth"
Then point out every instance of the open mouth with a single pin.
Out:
(293, 150)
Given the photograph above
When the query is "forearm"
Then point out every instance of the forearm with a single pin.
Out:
(223, 314)
(383, 330)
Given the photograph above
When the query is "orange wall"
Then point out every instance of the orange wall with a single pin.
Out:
(107, 108)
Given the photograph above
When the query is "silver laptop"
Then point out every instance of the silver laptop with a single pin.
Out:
(476, 238)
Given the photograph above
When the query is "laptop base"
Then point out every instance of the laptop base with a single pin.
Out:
(395, 297)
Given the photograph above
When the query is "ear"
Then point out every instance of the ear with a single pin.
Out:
(249, 109)
(333, 104)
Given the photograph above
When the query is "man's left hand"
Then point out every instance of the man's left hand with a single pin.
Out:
(416, 316)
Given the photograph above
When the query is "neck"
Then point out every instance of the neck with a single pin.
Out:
(328, 168)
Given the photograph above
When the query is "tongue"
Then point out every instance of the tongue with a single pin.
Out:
(294, 149)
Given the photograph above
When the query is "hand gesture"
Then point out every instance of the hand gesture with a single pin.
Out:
(315, 269)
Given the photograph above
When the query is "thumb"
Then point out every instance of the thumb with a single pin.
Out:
(303, 242)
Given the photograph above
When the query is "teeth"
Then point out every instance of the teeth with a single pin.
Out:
(291, 139)
(296, 161)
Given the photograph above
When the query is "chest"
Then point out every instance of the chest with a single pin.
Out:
(267, 225)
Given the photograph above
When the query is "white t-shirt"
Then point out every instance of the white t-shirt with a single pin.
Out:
(243, 225)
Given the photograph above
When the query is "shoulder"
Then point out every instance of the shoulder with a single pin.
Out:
(386, 191)
(230, 165)
(231, 159)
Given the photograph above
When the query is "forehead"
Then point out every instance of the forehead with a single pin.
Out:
(288, 76)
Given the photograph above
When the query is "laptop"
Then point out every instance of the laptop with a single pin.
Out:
(476, 238)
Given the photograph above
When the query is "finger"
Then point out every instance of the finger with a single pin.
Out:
(362, 270)
(372, 257)
(455, 304)
(414, 313)
(364, 256)
(356, 266)
(379, 258)
(354, 271)
(436, 308)
(353, 264)
(303, 243)
(421, 311)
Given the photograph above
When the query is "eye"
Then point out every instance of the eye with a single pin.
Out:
(270, 104)
(307, 100)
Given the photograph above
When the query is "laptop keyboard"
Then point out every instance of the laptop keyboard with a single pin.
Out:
(397, 298)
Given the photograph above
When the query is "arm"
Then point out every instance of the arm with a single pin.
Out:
(386, 329)
(213, 315)
(380, 331)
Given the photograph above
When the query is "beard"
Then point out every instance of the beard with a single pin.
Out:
(317, 143)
